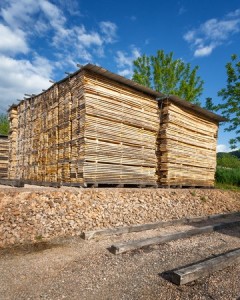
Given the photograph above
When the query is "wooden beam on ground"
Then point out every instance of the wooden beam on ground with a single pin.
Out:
(164, 238)
(12, 182)
(87, 235)
(203, 268)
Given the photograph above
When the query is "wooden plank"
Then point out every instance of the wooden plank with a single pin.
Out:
(203, 268)
(133, 245)
(87, 235)
(12, 182)
(4, 157)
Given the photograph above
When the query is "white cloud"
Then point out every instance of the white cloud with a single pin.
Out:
(24, 23)
(22, 77)
(126, 72)
(109, 31)
(222, 148)
(204, 51)
(53, 14)
(125, 61)
(18, 13)
(181, 10)
(88, 39)
(12, 42)
(213, 33)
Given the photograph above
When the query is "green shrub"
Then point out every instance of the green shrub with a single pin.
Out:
(4, 124)
(228, 176)
(228, 161)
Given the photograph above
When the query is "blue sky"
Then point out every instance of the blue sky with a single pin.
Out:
(41, 39)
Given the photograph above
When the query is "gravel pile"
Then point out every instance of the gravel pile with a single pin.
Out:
(31, 214)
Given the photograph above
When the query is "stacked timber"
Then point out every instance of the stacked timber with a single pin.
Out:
(120, 133)
(4, 156)
(187, 147)
(94, 127)
(12, 138)
(47, 134)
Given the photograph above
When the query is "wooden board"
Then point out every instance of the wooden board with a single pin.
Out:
(87, 235)
(4, 157)
(133, 245)
(12, 182)
(203, 268)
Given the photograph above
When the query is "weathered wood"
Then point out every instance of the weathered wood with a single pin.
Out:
(12, 182)
(203, 268)
(87, 235)
(133, 245)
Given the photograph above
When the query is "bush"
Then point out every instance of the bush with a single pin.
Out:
(4, 124)
(228, 161)
(228, 176)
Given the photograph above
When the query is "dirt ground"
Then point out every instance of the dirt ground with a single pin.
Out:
(76, 269)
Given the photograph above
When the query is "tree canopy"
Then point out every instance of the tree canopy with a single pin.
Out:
(169, 76)
(230, 108)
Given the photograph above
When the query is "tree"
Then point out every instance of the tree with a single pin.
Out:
(169, 76)
(230, 109)
(209, 104)
(4, 124)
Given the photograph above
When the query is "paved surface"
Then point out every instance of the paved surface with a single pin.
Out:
(76, 269)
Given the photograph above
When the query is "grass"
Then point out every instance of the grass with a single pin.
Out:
(203, 199)
(225, 186)
(228, 172)
(228, 176)
(39, 237)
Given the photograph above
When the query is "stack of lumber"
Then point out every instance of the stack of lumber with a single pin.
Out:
(3, 157)
(120, 133)
(12, 138)
(187, 148)
(47, 133)
(92, 129)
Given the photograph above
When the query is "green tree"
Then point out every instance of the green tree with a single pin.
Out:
(209, 104)
(228, 161)
(230, 108)
(4, 124)
(169, 76)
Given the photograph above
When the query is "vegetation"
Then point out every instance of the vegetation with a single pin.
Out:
(235, 153)
(228, 170)
(230, 108)
(228, 176)
(228, 161)
(167, 75)
(209, 104)
(4, 124)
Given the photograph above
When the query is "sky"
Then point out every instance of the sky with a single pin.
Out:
(43, 39)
